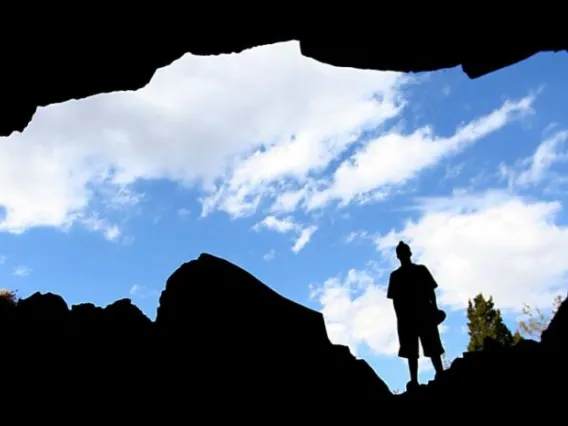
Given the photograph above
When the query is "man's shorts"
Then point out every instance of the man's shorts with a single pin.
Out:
(429, 336)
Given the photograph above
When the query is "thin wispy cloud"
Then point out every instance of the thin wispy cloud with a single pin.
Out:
(22, 271)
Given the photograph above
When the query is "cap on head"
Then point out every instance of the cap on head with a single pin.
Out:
(403, 250)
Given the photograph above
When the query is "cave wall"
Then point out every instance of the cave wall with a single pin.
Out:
(66, 58)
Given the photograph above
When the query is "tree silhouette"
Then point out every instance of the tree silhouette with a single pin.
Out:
(8, 295)
(536, 321)
(484, 320)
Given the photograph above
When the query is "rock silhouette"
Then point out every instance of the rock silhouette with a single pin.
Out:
(222, 343)
(125, 55)
(227, 347)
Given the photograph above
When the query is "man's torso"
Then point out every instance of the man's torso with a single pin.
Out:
(410, 292)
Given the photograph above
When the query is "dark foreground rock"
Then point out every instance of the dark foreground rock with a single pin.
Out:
(223, 345)
(226, 347)
(503, 384)
(499, 384)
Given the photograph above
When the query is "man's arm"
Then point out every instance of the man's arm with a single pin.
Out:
(391, 287)
(392, 293)
(432, 285)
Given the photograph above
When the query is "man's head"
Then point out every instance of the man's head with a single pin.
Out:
(403, 252)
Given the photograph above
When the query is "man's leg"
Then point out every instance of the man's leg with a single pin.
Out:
(413, 367)
(437, 363)
(408, 339)
(433, 348)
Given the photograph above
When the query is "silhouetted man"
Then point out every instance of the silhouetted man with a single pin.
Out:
(411, 288)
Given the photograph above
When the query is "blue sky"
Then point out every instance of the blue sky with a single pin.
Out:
(305, 175)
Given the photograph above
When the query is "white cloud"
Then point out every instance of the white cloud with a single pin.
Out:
(141, 291)
(537, 168)
(251, 120)
(266, 123)
(304, 238)
(183, 212)
(22, 271)
(287, 225)
(394, 158)
(270, 255)
(454, 171)
(2, 259)
(279, 225)
(95, 223)
(357, 312)
(357, 235)
(119, 196)
(495, 242)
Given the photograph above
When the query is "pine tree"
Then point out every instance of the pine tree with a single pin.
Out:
(486, 321)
